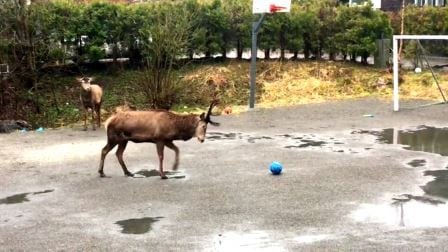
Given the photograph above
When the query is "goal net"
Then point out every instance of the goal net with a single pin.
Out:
(423, 53)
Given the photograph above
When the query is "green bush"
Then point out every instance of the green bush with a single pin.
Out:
(426, 20)
(95, 53)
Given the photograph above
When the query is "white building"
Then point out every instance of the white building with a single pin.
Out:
(393, 5)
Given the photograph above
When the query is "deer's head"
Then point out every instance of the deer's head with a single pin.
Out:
(85, 82)
(201, 129)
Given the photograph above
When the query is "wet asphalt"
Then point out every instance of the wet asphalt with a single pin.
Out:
(341, 187)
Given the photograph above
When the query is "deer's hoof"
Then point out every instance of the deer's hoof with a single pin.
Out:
(163, 177)
(129, 174)
(102, 175)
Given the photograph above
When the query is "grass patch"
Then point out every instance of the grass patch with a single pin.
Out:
(278, 84)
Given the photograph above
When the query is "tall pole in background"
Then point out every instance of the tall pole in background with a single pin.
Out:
(253, 64)
(395, 71)
(262, 7)
(400, 50)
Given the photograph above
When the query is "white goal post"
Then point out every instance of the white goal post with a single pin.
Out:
(395, 58)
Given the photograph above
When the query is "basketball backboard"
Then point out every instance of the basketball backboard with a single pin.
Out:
(271, 6)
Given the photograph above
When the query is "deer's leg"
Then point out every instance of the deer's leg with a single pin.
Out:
(98, 114)
(176, 151)
(160, 147)
(109, 146)
(93, 117)
(119, 153)
(86, 111)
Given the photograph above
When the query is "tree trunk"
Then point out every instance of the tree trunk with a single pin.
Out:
(135, 57)
(306, 53)
(282, 46)
(190, 54)
(79, 49)
(239, 49)
(307, 47)
(224, 53)
(296, 54)
(267, 53)
(115, 52)
(364, 60)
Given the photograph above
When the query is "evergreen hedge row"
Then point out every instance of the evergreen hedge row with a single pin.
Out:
(63, 30)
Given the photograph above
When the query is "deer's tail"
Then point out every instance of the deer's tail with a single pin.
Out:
(108, 121)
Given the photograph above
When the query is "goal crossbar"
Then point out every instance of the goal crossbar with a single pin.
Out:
(395, 58)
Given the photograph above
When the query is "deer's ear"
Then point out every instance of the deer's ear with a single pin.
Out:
(202, 116)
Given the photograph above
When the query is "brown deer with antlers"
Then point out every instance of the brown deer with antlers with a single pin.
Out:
(160, 127)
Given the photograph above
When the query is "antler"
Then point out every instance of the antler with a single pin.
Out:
(209, 112)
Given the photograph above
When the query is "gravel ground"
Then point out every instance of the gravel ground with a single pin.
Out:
(336, 191)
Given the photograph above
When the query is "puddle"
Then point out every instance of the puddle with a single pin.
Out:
(214, 136)
(439, 186)
(426, 139)
(137, 226)
(314, 238)
(417, 163)
(320, 143)
(292, 141)
(405, 211)
(155, 173)
(247, 241)
(408, 197)
(423, 138)
(252, 139)
(21, 197)
(223, 136)
(308, 143)
(15, 199)
(45, 191)
(148, 173)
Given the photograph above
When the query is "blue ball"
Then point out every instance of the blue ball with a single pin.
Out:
(276, 168)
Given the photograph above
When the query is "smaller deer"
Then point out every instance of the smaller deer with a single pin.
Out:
(91, 98)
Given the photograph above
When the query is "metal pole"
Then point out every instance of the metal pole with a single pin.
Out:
(395, 71)
(253, 64)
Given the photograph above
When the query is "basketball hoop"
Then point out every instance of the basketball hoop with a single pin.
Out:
(262, 7)
(271, 6)
(275, 8)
